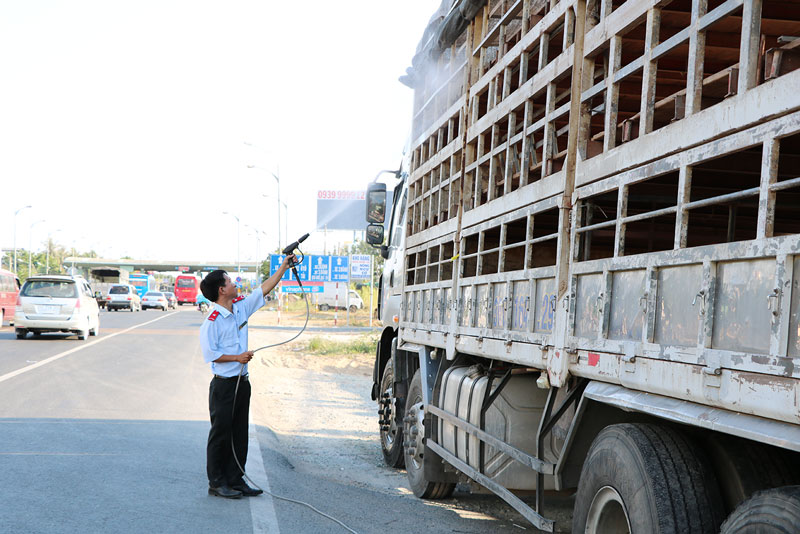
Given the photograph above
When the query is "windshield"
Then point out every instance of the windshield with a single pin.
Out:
(397, 219)
(186, 282)
(153, 294)
(118, 290)
(50, 288)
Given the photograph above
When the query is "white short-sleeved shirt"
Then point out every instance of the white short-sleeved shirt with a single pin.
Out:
(224, 332)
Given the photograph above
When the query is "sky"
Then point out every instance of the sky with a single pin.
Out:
(128, 126)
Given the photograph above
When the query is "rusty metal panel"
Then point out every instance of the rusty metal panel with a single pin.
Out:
(520, 305)
(627, 305)
(742, 321)
(410, 307)
(447, 302)
(482, 298)
(499, 306)
(588, 300)
(545, 306)
(794, 313)
(677, 320)
(466, 305)
(435, 306)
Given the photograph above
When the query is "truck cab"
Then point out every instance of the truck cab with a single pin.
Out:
(390, 287)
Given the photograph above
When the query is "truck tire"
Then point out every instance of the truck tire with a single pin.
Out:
(353, 308)
(323, 307)
(414, 447)
(21, 333)
(744, 467)
(643, 478)
(391, 422)
(770, 511)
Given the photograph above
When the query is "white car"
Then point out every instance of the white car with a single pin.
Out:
(56, 303)
(155, 299)
(123, 297)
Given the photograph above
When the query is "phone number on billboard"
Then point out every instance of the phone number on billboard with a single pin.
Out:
(341, 195)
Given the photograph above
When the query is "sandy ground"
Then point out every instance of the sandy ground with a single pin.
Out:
(320, 412)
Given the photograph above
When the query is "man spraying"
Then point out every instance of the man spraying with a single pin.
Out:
(223, 338)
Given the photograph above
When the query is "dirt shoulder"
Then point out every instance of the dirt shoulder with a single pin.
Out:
(320, 412)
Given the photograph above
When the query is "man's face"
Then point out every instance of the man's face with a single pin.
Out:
(229, 289)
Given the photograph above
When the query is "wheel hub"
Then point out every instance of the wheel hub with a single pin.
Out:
(607, 513)
(414, 429)
(387, 422)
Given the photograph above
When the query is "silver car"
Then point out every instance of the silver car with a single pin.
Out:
(56, 303)
(123, 297)
(155, 299)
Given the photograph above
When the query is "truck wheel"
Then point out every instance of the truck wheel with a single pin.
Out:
(744, 467)
(353, 308)
(414, 448)
(643, 478)
(391, 428)
(774, 510)
(323, 307)
(21, 333)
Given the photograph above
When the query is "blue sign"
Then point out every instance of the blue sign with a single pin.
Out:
(275, 261)
(315, 268)
(320, 268)
(340, 269)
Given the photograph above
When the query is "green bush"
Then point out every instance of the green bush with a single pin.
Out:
(359, 345)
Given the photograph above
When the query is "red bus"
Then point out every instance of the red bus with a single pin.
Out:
(186, 289)
(9, 290)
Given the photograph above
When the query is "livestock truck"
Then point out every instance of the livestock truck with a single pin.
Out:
(593, 263)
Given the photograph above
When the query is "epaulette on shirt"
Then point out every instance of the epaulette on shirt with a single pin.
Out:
(213, 315)
(237, 299)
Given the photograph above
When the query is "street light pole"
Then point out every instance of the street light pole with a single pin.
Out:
(285, 217)
(15, 236)
(238, 262)
(277, 179)
(257, 233)
(30, 244)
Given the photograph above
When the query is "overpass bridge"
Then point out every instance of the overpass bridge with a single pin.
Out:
(164, 266)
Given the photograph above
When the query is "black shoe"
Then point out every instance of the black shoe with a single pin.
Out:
(247, 491)
(225, 492)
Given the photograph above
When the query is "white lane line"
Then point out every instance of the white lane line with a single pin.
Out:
(18, 372)
(262, 508)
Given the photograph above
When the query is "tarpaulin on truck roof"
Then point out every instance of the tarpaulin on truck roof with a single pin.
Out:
(444, 27)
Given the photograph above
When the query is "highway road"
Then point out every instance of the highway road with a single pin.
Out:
(108, 435)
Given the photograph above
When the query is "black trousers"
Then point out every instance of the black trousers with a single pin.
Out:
(226, 422)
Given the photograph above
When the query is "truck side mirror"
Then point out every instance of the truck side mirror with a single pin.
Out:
(375, 234)
(376, 203)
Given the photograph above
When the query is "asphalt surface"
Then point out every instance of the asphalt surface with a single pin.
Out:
(108, 435)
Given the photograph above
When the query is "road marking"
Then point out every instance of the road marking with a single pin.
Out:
(262, 508)
(18, 372)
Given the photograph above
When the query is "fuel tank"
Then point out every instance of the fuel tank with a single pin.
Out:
(513, 417)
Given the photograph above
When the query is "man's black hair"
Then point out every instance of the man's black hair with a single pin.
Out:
(211, 284)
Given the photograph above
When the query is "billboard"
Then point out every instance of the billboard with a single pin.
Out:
(343, 210)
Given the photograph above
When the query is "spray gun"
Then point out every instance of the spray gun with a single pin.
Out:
(290, 249)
